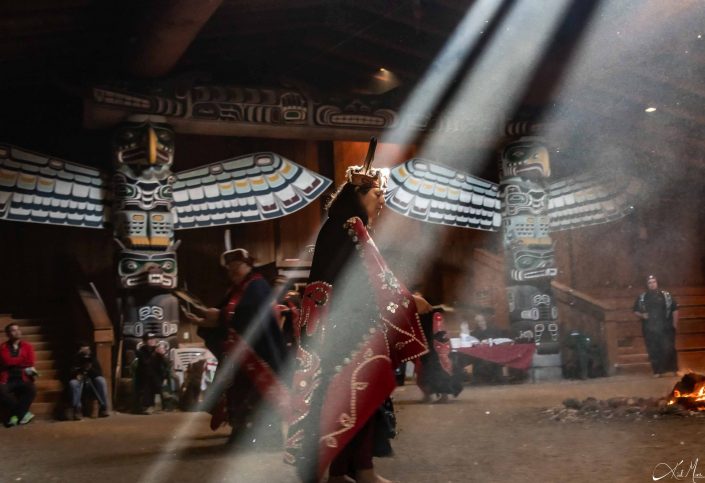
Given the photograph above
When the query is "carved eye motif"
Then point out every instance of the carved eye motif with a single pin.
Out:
(164, 136)
(165, 192)
(130, 266)
(168, 265)
(127, 135)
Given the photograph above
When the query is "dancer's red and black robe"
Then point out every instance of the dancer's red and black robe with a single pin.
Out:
(436, 372)
(250, 351)
(357, 324)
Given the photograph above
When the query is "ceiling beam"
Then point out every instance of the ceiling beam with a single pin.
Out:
(438, 25)
(364, 57)
(166, 30)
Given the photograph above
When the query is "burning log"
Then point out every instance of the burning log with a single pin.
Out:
(689, 392)
(686, 399)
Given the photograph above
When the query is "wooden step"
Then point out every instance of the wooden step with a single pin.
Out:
(690, 341)
(629, 350)
(42, 345)
(44, 365)
(27, 330)
(43, 355)
(42, 349)
(628, 302)
(629, 329)
(627, 315)
(26, 322)
(48, 396)
(43, 409)
(44, 384)
(49, 373)
(691, 325)
(632, 358)
(633, 368)
(31, 338)
(686, 325)
(692, 360)
(608, 293)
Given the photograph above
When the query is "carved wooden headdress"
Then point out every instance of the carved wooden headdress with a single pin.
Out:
(366, 175)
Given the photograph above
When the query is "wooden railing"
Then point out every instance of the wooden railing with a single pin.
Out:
(90, 321)
(605, 315)
(101, 331)
(580, 312)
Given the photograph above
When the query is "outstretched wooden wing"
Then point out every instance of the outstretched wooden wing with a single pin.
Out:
(37, 188)
(590, 199)
(430, 192)
(245, 189)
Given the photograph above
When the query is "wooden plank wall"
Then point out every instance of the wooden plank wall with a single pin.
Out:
(662, 237)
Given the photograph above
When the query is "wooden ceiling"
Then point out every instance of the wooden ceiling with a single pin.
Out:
(605, 64)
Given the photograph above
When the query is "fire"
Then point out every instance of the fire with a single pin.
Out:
(689, 392)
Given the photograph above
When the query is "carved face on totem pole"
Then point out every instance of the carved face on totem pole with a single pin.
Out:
(143, 151)
(147, 269)
(530, 262)
(143, 147)
(523, 197)
(529, 302)
(526, 158)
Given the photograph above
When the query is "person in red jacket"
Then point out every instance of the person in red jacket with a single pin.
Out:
(17, 375)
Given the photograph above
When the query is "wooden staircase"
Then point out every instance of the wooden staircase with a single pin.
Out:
(40, 334)
(631, 356)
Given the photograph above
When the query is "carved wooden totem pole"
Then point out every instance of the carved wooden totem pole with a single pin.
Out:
(528, 248)
(527, 208)
(143, 153)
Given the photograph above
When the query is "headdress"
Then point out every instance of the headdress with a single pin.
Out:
(366, 175)
(234, 254)
(650, 278)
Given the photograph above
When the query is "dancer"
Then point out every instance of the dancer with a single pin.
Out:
(357, 324)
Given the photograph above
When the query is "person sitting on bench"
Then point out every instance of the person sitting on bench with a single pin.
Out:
(86, 371)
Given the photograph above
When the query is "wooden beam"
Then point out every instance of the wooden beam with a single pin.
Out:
(360, 57)
(232, 25)
(165, 32)
(422, 52)
(438, 25)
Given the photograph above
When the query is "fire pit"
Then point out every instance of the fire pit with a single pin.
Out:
(689, 392)
(686, 399)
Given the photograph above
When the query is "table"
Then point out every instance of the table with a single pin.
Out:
(517, 356)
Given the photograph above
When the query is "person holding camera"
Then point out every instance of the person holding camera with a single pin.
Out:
(86, 371)
(152, 370)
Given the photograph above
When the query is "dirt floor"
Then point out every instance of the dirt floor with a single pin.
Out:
(490, 433)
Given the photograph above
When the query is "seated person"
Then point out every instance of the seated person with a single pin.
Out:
(485, 371)
(484, 330)
(152, 370)
(86, 371)
(17, 375)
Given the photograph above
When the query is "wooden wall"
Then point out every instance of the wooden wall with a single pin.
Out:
(663, 236)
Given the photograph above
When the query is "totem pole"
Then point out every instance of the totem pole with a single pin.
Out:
(143, 149)
(527, 208)
(529, 250)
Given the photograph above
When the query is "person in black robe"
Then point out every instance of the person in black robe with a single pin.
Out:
(244, 317)
(658, 311)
